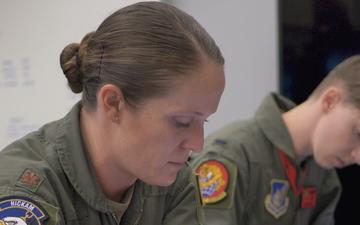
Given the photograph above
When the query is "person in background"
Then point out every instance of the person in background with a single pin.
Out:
(278, 167)
(150, 76)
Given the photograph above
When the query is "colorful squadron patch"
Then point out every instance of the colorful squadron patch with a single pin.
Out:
(213, 181)
(277, 202)
(17, 210)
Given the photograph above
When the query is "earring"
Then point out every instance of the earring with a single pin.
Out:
(116, 119)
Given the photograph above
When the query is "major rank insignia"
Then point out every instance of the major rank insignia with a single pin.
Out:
(213, 181)
(21, 211)
(277, 202)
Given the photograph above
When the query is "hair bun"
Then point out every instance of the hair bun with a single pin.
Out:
(70, 62)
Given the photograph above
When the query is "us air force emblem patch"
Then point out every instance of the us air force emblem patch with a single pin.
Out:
(21, 211)
(277, 202)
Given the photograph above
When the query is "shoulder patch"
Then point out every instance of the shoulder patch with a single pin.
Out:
(213, 181)
(21, 211)
(29, 179)
(216, 181)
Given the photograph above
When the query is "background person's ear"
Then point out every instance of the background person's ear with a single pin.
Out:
(112, 102)
(330, 98)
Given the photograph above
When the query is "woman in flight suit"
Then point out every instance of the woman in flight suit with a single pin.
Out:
(150, 75)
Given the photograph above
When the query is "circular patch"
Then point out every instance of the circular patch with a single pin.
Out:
(21, 211)
(213, 181)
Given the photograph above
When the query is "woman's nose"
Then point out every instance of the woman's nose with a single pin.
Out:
(195, 140)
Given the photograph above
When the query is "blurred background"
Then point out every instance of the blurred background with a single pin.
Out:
(268, 45)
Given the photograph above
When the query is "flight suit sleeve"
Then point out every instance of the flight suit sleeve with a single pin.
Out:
(20, 202)
(328, 198)
(184, 201)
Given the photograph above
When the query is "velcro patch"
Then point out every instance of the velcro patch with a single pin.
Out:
(29, 179)
(213, 181)
(21, 211)
(277, 202)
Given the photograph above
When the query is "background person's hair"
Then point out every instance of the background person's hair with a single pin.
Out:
(347, 74)
(142, 49)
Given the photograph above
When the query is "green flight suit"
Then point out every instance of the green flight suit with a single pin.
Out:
(249, 152)
(48, 173)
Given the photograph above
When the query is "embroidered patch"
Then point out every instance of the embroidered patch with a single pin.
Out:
(29, 179)
(213, 181)
(21, 211)
(277, 202)
(219, 142)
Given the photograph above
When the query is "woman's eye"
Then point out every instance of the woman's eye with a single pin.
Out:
(185, 122)
(182, 125)
(182, 122)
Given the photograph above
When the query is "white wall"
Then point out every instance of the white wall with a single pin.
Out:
(33, 33)
(246, 32)
(33, 89)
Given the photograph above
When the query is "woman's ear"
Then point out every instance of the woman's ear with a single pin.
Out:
(112, 102)
(331, 97)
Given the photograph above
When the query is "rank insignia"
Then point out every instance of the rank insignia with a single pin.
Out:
(277, 202)
(21, 211)
(30, 179)
(213, 181)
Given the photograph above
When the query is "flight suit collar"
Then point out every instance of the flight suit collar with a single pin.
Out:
(268, 117)
(76, 162)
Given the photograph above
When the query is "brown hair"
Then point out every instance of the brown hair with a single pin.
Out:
(347, 74)
(141, 49)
